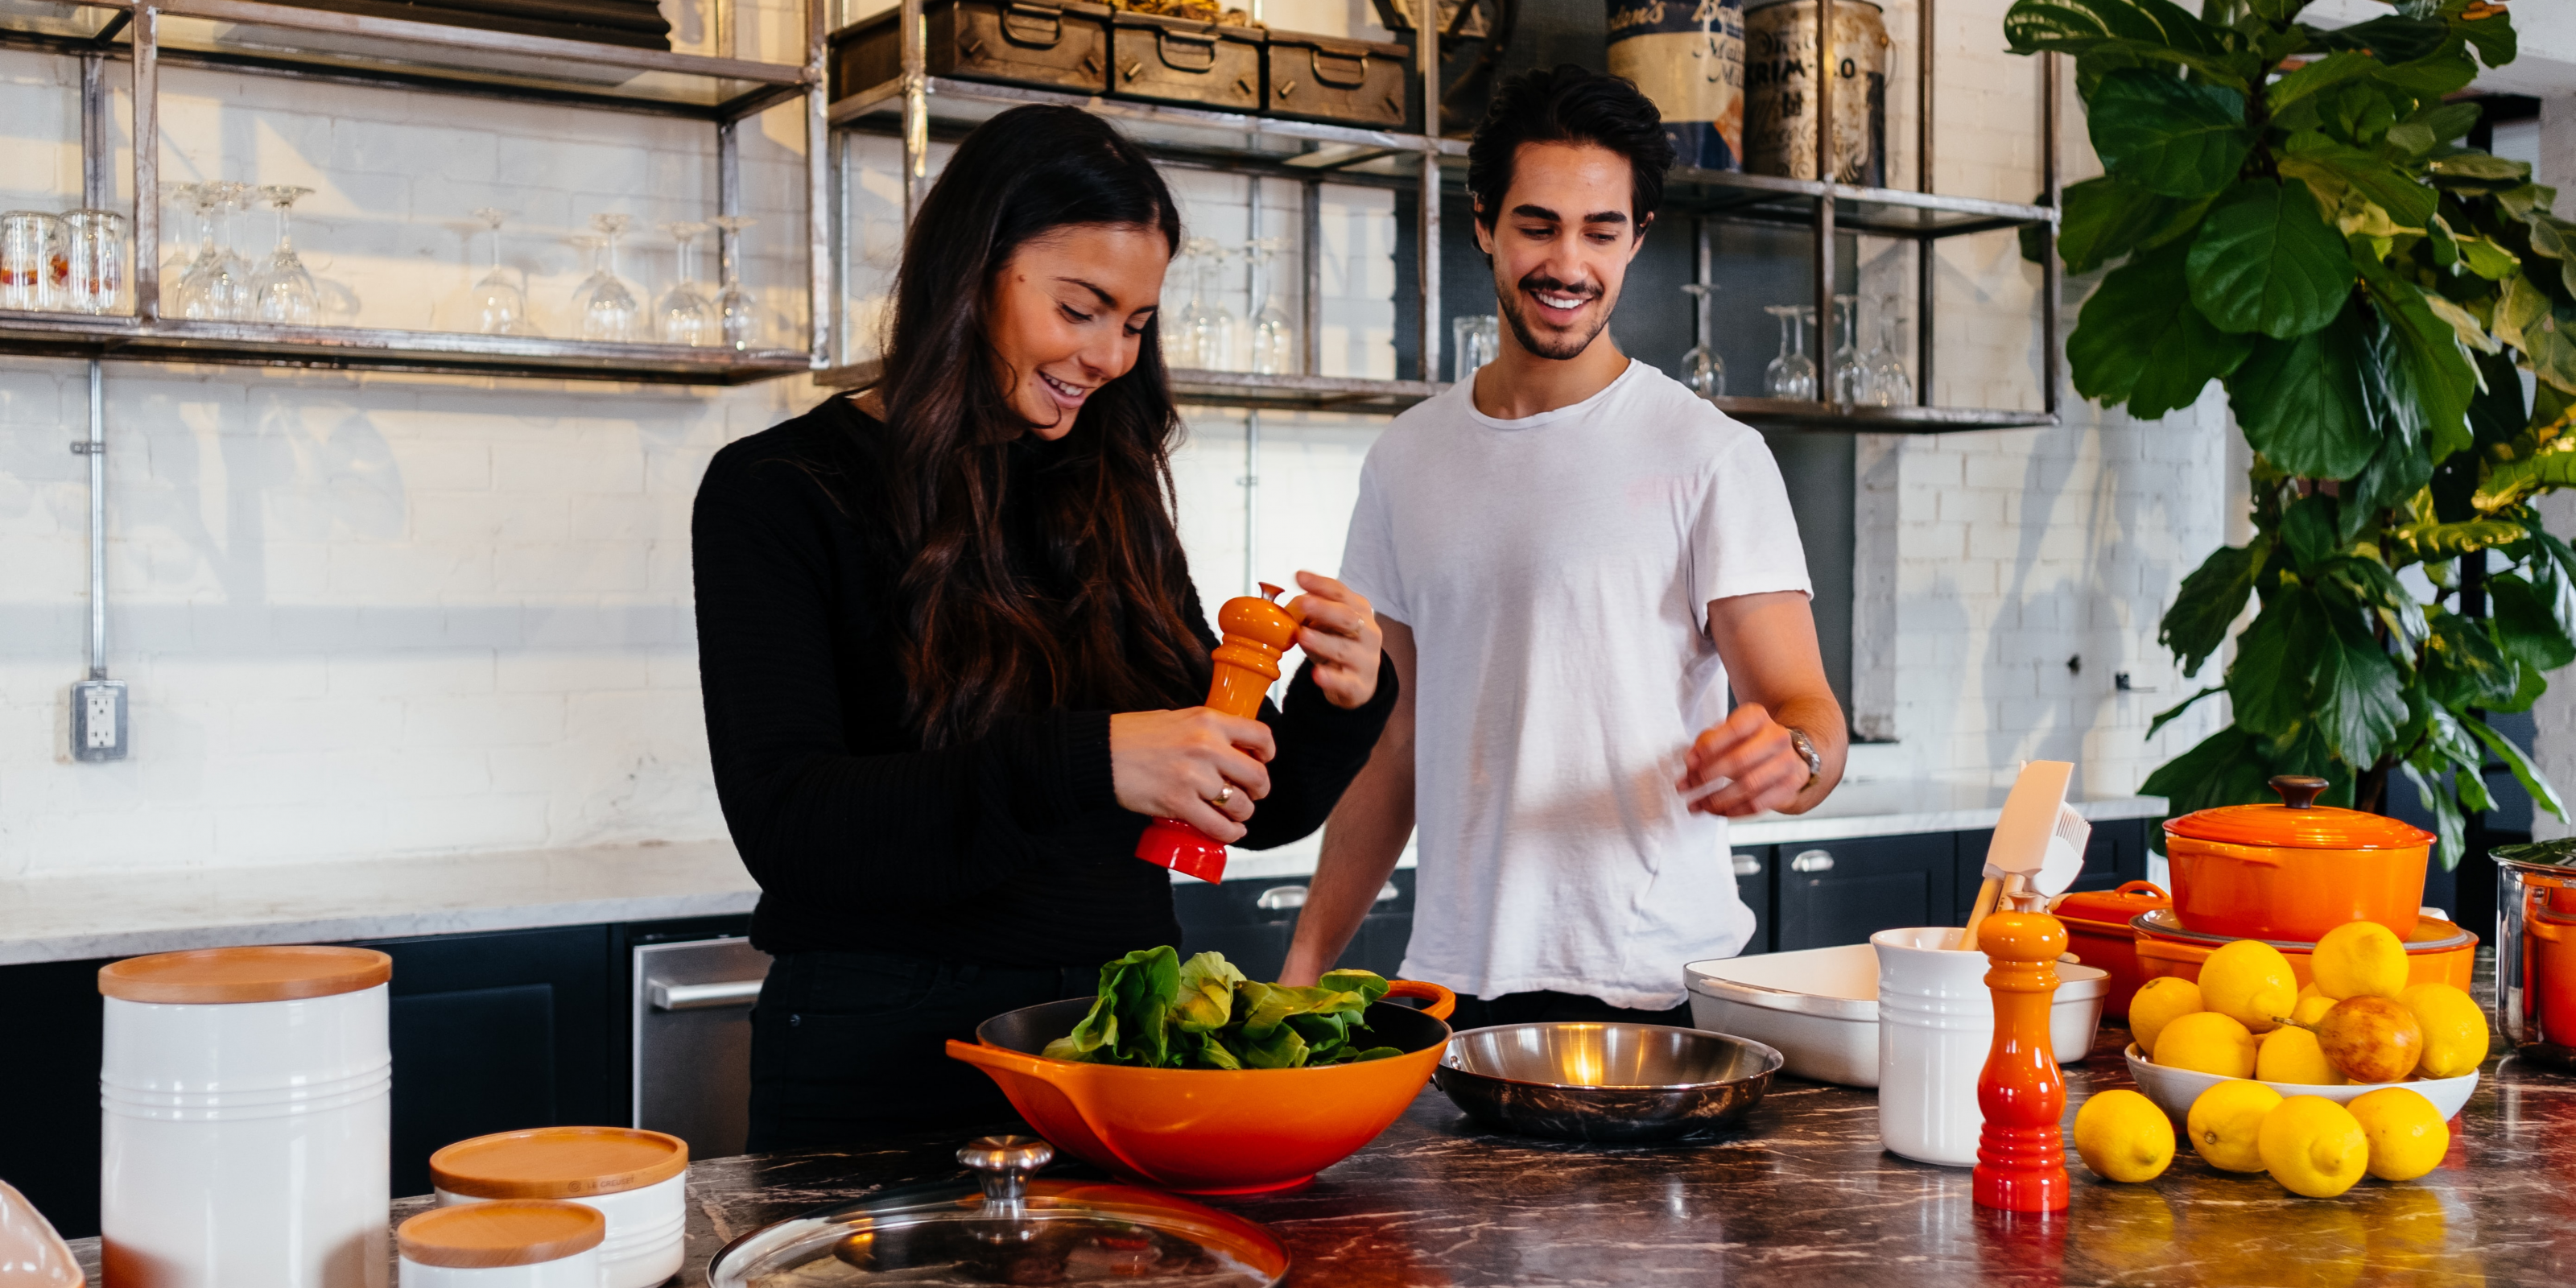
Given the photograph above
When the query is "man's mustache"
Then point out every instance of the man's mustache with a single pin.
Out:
(1540, 284)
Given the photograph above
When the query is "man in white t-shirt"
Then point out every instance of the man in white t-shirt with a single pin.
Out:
(1573, 558)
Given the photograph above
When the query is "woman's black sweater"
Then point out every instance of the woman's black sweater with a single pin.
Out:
(1010, 849)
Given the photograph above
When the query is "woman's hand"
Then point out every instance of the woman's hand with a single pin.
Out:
(1198, 766)
(1340, 633)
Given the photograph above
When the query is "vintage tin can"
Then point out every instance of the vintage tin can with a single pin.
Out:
(1780, 107)
(1687, 56)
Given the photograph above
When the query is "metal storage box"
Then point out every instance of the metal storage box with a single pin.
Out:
(1179, 60)
(1017, 42)
(1331, 78)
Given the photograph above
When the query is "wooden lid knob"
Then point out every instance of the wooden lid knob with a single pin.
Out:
(275, 973)
(517, 1232)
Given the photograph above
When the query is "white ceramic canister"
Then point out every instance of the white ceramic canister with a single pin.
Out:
(512, 1243)
(1936, 1023)
(636, 1179)
(244, 1119)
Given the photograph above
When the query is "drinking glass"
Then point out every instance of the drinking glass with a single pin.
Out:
(95, 256)
(1703, 372)
(1850, 382)
(282, 291)
(30, 250)
(1274, 339)
(1211, 328)
(737, 311)
(232, 197)
(686, 315)
(500, 307)
(1473, 342)
(1793, 373)
(214, 289)
(1890, 384)
(609, 309)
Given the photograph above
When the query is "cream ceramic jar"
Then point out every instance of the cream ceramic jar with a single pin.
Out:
(635, 1179)
(244, 1119)
(511, 1243)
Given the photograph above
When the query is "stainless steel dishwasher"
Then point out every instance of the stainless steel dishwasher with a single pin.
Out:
(692, 1010)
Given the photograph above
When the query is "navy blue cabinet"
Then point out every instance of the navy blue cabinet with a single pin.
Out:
(1252, 922)
(1842, 892)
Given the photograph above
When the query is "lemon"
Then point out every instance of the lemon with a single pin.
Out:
(2157, 1004)
(2207, 1042)
(2291, 1054)
(2122, 1136)
(2455, 1030)
(2225, 1121)
(2312, 1007)
(2312, 1146)
(2250, 982)
(2360, 959)
(2406, 1133)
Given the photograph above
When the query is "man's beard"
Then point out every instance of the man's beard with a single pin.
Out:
(1573, 347)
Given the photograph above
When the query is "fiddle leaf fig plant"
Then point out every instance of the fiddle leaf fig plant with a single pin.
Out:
(2288, 209)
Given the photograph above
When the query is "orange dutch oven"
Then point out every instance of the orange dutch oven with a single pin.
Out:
(1211, 1131)
(2296, 870)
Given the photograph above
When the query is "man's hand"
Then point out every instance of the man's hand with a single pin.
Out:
(1340, 634)
(1753, 753)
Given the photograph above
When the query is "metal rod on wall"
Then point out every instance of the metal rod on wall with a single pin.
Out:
(147, 163)
(1924, 261)
(2049, 283)
(1310, 264)
(97, 452)
(97, 187)
(1824, 91)
(916, 109)
(1426, 47)
(821, 271)
(1252, 502)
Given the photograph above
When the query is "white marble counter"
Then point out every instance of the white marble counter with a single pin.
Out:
(74, 918)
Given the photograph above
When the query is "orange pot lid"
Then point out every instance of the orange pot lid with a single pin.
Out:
(2430, 935)
(277, 973)
(558, 1162)
(2299, 823)
(2111, 907)
(481, 1236)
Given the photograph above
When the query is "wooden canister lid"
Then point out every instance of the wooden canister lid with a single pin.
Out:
(558, 1162)
(274, 973)
(480, 1236)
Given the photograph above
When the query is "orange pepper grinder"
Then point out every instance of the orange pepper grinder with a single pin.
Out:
(1257, 631)
(2021, 1160)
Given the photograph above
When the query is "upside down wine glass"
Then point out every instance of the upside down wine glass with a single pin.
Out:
(686, 315)
(738, 314)
(1212, 330)
(500, 307)
(1850, 374)
(1793, 373)
(1703, 372)
(1890, 384)
(1274, 339)
(610, 310)
(282, 291)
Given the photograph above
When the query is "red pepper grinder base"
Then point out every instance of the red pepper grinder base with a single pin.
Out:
(2021, 1157)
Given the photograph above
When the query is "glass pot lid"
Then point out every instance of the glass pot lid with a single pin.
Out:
(2298, 823)
(1017, 1230)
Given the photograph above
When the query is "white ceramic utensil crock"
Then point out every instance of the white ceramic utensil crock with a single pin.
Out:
(511, 1243)
(244, 1119)
(636, 1179)
(1936, 1022)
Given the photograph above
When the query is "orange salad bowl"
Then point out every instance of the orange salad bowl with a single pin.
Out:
(2295, 870)
(1211, 1131)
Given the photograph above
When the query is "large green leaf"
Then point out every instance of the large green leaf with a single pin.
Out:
(2356, 691)
(2462, 666)
(2139, 340)
(2226, 768)
(2517, 760)
(2430, 541)
(2479, 170)
(2268, 682)
(2377, 589)
(2174, 712)
(2394, 39)
(2491, 33)
(2556, 238)
(2266, 260)
(2104, 219)
(2208, 602)
(2434, 380)
(2325, 73)
(2314, 156)
(2447, 823)
(2162, 134)
(2527, 625)
(2141, 30)
(2306, 405)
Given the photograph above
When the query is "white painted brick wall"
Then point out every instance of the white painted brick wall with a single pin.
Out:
(381, 614)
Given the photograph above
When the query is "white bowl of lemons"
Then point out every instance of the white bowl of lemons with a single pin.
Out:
(2358, 1028)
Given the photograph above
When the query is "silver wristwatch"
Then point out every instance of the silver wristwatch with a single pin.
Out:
(1807, 751)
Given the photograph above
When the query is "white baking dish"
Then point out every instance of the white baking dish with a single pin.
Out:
(1819, 1007)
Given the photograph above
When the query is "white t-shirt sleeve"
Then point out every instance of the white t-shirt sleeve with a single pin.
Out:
(1745, 541)
(1368, 551)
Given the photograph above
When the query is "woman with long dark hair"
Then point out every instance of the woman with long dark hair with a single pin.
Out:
(951, 656)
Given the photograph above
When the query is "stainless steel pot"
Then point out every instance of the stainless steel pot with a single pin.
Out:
(1604, 1082)
(2536, 949)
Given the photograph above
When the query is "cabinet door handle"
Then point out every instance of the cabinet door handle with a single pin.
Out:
(1747, 866)
(1281, 898)
(1812, 861)
(1388, 893)
(699, 997)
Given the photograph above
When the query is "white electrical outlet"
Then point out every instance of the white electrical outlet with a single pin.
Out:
(98, 720)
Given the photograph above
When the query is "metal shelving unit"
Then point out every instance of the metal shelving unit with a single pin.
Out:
(255, 38)
(918, 108)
